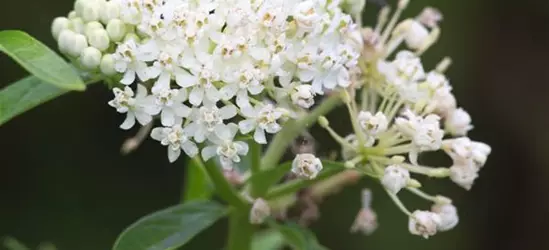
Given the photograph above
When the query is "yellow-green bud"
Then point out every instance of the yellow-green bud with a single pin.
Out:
(99, 38)
(59, 24)
(107, 65)
(116, 30)
(90, 58)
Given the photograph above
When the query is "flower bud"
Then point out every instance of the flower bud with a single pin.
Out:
(259, 212)
(66, 38)
(77, 25)
(365, 222)
(303, 96)
(59, 24)
(91, 10)
(131, 36)
(306, 166)
(424, 223)
(99, 38)
(416, 34)
(373, 124)
(107, 65)
(458, 122)
(395, 178)
(355, 6)
(116, 30)
(72, 43)
(79, 6)
(92, 26)
(402, 4)
(110, 10)
(90, 58)
(323, 121)
(448, 216)
(430, 17)
(72, 15)
(464, 175)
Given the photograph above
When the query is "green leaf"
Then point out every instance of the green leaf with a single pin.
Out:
(25, 94)
(268, 240)
(298, 237)
(170, 228)
(198, 185)
(11, 243)
(39, 60)
(268, 178)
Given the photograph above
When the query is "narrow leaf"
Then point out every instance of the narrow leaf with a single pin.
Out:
(268, 178)
(198, 185)
(39, 60)
(25, 94)
(298, 237)
(268, 240)
(170, 228)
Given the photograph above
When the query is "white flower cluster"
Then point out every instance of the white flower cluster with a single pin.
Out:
(197, 65)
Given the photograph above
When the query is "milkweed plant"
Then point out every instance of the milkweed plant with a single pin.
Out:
(232, 85)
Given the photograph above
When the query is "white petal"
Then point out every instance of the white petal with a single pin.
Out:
(158, 134)
(190, 148)
(129, 77)
(256, 89)
(196, 96)
(244, 148)
(229, 91)
(200, 135)
(167, 117)
(181, 110)
(213, 94)
(185, 79)
(209, 152)
(129, 122)
(143, 118)
(228, 112)
(259, 136)
(162, 83)
(246, 126)
(141, 91)
(242, 99)
(223, 132)
(153, 72)
(173, 154)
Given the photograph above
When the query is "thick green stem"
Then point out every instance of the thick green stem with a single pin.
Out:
(255, 154)
(296, 185)
(240, 230)
(222, 186)
(292, 130)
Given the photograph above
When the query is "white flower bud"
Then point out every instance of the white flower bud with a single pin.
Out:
(90, 58)
(107, 65)
(355, 6)
(303, 96)
(110, 10)
(462, 150)
(424, 223)
(395, 178)
(373, 124)
(59, 24)
(99, 38)
(72, 15)
(91, 10)
(365, 222)
(448, 216)
(306, 166)
(464, 175)
(416, 35)
(402, 4)
(430, 17)
(66, 37)
(259, 212)
(116, 30)
(458, 122)
(480, 153)
(92, 26)
(79, 7)
(72, 43)
(77, 25)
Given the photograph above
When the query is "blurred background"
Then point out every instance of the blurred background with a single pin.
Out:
(64, 181)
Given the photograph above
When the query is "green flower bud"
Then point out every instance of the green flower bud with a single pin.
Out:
(91, 26)
(72, 15)
(59, 24)
(116, 30)
(107, 65)
(90, 58)
(110, 11)
(99, 38)
(91, 11)
(66, 37)
(77, 25)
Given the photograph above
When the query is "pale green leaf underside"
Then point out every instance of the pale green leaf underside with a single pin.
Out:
(25, 94)
(170, 228)
(299, 238)
(39, 60)
(268, 240)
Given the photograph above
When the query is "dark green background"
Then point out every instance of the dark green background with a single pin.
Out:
(63, 180)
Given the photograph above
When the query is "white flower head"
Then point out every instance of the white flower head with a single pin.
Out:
(303, 96)
(134, 106)
(175, 139)
(448, 216)
(259, 212)
(458, 122)
(306, 166)
(424, 223)
(395, 178)
(464, 174)
(225, 147)
(462, 150)
(263, 118)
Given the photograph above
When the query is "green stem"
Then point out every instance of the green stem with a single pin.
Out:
(294, 186)
(222, 186)
(255, 153)
(240, 230)
(292, 130)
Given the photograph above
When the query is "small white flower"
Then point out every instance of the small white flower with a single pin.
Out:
(365, 222)
(303, 96)
(416, 34)
(395, 178)
(175, 139)
(425, 133)
(448, 216)
(229, 152)
(373, 125)
(462, 150)
(464, 174)
(134, 106)
(259, 212)
(240, 82)
(127, 60)
(169, 103)
(424, 223)
(263, 118)
(405, 69)
(306, 166)
(458, 122)
(206, 119)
